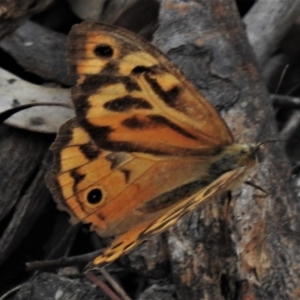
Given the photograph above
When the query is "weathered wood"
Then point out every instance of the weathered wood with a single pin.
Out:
(158, 292)
(17, 94)
(23, 191)
(52, 286)
(115, 9)
(252, 249)
(26, 211)
(140, 17)
(90, 12)
(41, 51)
(16, 145)
(62, 237)
(267, 23)
(14, 12)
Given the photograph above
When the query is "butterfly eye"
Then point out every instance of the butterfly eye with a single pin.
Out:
(94, 196)
(103, 50)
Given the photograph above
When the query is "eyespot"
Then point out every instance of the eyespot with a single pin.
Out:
(94, 196)
(103, 50)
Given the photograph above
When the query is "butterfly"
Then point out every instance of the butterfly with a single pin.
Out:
(145, 147)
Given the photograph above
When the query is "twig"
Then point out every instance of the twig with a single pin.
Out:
(92, 277)
(62, 262)
(11, 291)
(281, 77)
(9, 112)
(290, 127)
(286, 101)
(114, 284)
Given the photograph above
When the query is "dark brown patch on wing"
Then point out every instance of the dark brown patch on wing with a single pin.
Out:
(154, 121)
(116, 159)
(130, 147)
(76, 176)
(127, 103)
(90, 151)
(126, 174)
(136, 123)
(101, 136)
(140, 69)
(94, 82)
(100, 216)
(160, 120)
(116, 246)
(128, 246)
(172, 197)
(98, 133)
(168, 97)
(109, 254)
(110, 68)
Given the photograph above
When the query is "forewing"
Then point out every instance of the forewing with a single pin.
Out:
(130, 97)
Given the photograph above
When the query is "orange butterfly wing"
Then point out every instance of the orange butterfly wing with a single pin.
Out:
(130, 97)
(140, 151)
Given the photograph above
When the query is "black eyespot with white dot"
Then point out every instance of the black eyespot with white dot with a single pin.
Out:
(104, 51)
(94, 196)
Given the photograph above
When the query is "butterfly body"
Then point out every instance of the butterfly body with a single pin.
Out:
(145, 146)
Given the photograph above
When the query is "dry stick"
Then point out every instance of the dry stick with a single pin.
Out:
(281, 78)
(92, 277)
(267, 23)
(293, 89)
(114, 284)
(9, 112)
(63, 262)
(11, 291)
(76, 260)
(286, 101)
(290, 126)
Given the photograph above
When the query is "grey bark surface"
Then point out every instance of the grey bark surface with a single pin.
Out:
(49, 286)
(22, 156)
(14, 12)
(268, 24)
(250, 250)
(40, 51)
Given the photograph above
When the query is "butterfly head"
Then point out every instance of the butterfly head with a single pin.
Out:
(247, 154)
(235, 156)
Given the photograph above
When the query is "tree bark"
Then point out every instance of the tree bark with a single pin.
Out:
(14, 12)
(249, 250)
(40, 51)
(267, 23)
